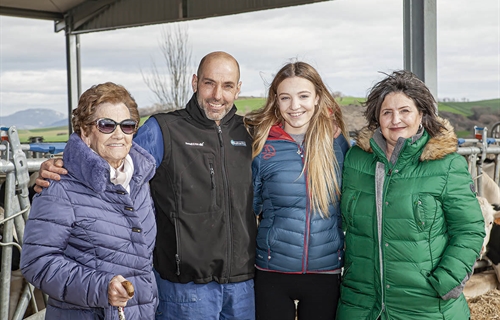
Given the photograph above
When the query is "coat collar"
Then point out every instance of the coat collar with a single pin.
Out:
(92, 170)
(195, 112)
(278, 133)
(436, 148)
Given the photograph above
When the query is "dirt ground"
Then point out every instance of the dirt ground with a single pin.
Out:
(353, 117)
(486, 306)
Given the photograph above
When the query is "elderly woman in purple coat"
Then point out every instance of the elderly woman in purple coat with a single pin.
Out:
(95, 228)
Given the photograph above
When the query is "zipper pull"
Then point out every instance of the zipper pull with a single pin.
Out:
(178, 263)
(212, 173)
(219, 131)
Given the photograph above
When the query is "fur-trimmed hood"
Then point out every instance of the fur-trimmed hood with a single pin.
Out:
(437, 147)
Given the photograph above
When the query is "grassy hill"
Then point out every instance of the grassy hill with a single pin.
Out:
(55, 134)
(246, 104)
(465, 108)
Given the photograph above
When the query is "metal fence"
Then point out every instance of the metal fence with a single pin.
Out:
(479, 150)
(18, 160)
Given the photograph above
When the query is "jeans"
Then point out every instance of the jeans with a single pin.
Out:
(209, 301)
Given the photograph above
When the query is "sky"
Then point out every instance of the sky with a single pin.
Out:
(348, 41)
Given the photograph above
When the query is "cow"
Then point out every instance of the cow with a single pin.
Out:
(493, 246)
(491, 217)
(490, 190)
(488, 167)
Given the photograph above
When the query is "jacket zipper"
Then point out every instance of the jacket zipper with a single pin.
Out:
(305, 260)
(228, 206)
(387, 178)
(178, 263)
(178, 240)
(212, 182)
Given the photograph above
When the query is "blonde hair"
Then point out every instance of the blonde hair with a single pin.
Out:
(320, 162)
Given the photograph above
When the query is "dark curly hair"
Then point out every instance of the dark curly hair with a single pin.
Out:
(410, 85)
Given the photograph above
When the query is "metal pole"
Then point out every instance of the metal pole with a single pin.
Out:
(73, 70)
(23, 178)
(420, 41)
(10, 186)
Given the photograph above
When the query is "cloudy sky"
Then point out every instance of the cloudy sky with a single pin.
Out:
(348, 41)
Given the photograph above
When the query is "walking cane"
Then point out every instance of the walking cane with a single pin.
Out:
(130, 290)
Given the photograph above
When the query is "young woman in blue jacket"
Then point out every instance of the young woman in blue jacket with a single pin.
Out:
(298, 150)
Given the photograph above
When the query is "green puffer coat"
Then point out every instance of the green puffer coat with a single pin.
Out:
(413, 229)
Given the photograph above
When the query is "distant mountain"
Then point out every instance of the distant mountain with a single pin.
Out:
(59, 123)
(34, 118)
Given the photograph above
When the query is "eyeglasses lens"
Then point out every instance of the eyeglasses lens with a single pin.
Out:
(108, 126)
(128, 126)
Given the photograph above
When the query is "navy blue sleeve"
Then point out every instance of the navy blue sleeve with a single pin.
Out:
(257, 186)
(340, 147)
(150, 137)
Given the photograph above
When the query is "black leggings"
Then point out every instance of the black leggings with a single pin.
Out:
(275, 293)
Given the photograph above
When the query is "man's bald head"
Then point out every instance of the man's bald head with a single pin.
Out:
(217, 84)
(217, 55)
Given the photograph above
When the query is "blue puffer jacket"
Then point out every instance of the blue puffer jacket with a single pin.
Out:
(290, 238)
(84, 230)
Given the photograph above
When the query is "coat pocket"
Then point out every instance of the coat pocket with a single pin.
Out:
(201, 189)
(424, 210)
(348, 207)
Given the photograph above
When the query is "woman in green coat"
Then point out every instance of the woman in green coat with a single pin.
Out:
(412, 221)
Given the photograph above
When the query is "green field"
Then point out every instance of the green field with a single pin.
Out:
(247, 104)
(345, 101)
(465, 108)
(55, 134)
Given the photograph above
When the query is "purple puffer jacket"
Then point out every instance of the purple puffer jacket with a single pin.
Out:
(84, 230)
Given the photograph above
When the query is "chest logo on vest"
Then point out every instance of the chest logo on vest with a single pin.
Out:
(238, 143)
(198, 144)
(268, 152)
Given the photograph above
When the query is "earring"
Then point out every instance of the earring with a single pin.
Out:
(420, 126)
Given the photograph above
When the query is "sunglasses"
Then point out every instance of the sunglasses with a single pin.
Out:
(108, 126)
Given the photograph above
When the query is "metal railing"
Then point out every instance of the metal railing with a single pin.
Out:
(477, 150)
(16, 162)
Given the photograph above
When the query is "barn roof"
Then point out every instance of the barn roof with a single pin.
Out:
(80, 16)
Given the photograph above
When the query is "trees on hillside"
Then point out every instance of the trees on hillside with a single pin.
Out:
(170, 80)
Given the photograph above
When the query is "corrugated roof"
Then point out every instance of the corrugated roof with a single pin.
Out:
(38, 9)
(82, 16)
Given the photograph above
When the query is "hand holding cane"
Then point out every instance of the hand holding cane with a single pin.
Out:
(130, 291)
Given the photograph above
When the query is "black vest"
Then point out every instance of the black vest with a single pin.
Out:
(203, 197)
